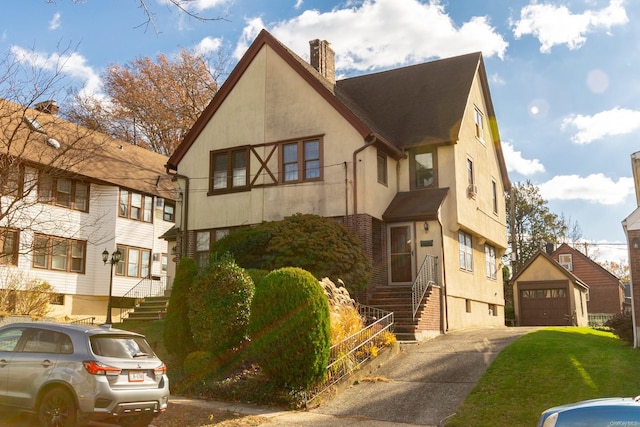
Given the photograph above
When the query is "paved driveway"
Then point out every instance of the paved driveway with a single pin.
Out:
(427, 381)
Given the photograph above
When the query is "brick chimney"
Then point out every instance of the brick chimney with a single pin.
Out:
(49, 106)
(323, 59)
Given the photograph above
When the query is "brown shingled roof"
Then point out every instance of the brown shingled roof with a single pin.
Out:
(81, 152)
(418, 205)
(419, 104)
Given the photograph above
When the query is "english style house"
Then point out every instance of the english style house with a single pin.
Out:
(66, 195)
(409, 158)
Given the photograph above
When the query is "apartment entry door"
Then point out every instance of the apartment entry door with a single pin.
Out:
(401, 254)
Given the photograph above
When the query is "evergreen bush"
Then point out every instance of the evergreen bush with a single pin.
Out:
(290, 328)
(219, 307)
(622, 326)
(317, 244)
(177, 331)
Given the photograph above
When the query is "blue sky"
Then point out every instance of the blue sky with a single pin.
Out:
(563, 73)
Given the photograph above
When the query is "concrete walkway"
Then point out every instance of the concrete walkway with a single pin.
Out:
(423, 385)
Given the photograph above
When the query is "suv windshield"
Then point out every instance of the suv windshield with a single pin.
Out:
(121, 346)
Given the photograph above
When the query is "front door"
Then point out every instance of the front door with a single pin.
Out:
(401, 253)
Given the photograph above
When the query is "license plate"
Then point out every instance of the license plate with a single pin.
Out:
(136, 376)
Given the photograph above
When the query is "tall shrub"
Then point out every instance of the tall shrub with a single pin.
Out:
(290, 328)
(219, 306)
(317, 244)
(177, 330)
(622, 325)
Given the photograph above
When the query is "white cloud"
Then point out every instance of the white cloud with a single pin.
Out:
(298, 4)
(516, 163)
(618, 121)
(208, 45)
(557, 25)
(198, 5)
(73, 65)
(54, 24)
(384, 33)
(595, 188)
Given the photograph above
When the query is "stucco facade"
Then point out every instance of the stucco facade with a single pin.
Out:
(365, 174)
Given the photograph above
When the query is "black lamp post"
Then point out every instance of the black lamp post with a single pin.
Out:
(115, 258)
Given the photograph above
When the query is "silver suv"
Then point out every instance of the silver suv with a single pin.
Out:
(73, 374)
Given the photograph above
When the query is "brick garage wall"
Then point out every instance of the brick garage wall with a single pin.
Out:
(634, 268)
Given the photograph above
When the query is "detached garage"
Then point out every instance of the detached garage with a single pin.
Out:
(547, 294)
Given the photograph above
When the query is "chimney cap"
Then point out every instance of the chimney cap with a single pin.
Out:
(49, 106)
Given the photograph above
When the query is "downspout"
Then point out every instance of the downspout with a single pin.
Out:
(444, 307)
(185, 211)
(346, 192)
(355, 179)
(631, 287)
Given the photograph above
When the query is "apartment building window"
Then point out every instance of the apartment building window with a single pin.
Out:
(59, 254)
(301, 161)
(566, 260)
(134, 262)
(64, 192)
(490, 261)
(229, 170)
(423, 169)
(135, 206)
(470, 178)
(494, 196)
(382, 168)
(478, 118)
(465, 251)
(168, 211)
(8, 246)
(11, 180)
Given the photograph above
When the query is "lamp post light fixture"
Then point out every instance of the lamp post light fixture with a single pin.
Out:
(115, 258)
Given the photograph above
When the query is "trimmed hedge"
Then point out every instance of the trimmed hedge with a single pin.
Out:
(219, 307)
(177, 331)
(290, 328)
(317, 244)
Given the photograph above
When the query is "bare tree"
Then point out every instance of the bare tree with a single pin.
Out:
(36, 148)
(151, 103)
(181, 5)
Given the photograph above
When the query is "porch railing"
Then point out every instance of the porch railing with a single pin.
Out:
(150, 286)
(350, 353)
(426, 278)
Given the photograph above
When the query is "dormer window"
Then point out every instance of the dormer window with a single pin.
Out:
(34, 125)
(478, 118)
(566, 261)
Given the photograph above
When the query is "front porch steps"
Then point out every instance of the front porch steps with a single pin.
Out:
(150, 308)
(398, 299)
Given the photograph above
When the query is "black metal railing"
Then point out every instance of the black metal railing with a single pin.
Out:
(150, 286)
(84, 321)
(424, 280)
(349, 354)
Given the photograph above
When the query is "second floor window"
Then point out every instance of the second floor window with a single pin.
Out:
(229, 170)
(135, 206)
(382, 168)
(168, 213)
(423, 169)
(494, 196)
(301, 161)
(478, 119)
(11, 180)
(8, 246)
(134, 262)
(566, 260)
(56, 253)
(63, 192)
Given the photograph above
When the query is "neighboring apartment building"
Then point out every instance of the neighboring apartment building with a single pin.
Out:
(68, 194)
(606, 291)
(631, 226)
(409, 158)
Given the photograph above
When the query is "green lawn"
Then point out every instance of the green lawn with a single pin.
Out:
(550, 367)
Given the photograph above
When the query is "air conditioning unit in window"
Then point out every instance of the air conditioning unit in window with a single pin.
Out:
(472, 190)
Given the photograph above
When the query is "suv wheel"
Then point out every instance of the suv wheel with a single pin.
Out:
(57, 409)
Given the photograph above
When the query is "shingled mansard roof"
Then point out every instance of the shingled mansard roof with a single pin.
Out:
(47, 140)
(399, 108)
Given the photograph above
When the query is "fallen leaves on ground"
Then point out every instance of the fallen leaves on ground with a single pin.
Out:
(199, 416)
